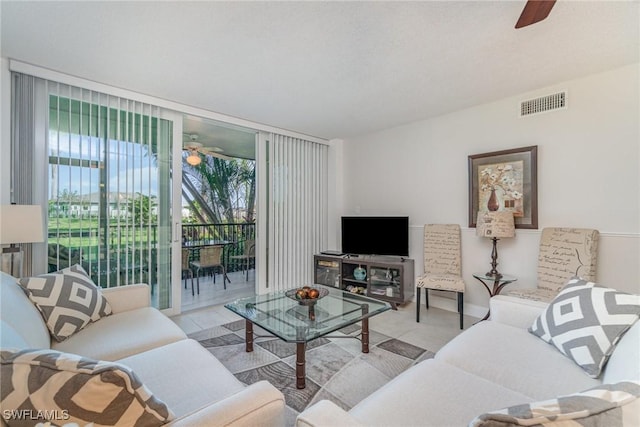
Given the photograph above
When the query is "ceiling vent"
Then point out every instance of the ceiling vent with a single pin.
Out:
(543, 104)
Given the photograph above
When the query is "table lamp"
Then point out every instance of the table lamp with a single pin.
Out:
(495, 225)
(18, 224)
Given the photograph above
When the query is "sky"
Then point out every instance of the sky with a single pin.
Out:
(130, 167)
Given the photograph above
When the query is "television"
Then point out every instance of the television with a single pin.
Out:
(375, 235)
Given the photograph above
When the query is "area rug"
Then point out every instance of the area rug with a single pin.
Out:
(336, 368)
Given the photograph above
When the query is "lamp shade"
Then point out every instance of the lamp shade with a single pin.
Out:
(21, 224)
(495, 224)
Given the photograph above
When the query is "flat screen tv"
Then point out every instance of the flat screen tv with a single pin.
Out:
(375, 235)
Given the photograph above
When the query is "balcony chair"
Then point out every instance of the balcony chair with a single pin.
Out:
(563, 253)
(186, 268)
(248, 255)
(442, 265)
(210, 258)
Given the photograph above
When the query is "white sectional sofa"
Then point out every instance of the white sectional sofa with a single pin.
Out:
(192, 383)
(493, 365)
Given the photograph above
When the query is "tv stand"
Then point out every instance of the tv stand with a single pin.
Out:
(386, 278)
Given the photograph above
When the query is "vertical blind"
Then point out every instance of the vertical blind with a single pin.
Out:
(298, 209)
(23, 137)
(107, 163)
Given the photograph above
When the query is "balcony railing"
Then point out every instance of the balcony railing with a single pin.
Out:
(67, 247)
(237, 234)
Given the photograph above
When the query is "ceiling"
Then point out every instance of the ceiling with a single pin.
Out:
(229, 140)
(326, 69)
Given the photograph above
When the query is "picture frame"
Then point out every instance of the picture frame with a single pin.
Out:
(505, 180)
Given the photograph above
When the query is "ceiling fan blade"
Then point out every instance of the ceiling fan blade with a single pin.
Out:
(213, 153)
(220, 156)
(191, 145)
(534, 11)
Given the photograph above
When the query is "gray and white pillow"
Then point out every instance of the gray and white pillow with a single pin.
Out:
(585, 321)
(67, 299)
(611, 405)
(50, 386)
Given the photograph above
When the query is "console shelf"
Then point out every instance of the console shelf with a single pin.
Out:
(386, 278)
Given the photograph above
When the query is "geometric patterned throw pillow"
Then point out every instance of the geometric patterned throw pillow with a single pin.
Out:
(67, 299)
(610, 405)
(585, 321)
(40, 386)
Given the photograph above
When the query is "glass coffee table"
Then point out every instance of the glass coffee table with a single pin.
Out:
(293, 321)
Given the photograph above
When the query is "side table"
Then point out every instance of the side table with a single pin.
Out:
(498, 284)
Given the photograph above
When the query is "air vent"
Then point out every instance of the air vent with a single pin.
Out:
(543, 104)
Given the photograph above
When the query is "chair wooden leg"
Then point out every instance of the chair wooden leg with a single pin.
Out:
(426, 297)
(418, 304)
(461, 308)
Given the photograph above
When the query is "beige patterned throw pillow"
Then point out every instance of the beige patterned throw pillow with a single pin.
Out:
(40, 386)
(67, 299)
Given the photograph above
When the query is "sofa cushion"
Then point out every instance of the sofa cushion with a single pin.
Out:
(20, 315)
(68, 300)
(607, 405)
(123, 334)
(624, 363)
(515, 359)
(184, 375)
(10, 339)
(585, 322)
(514, 311)
(433, 394)
(71, 388)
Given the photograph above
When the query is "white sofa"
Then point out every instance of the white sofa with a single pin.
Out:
(179, 371)
(493, 365)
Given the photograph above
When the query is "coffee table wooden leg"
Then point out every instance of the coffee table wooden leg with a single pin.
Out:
(248, 334)
(365, 329)
(365, 335)
(300, 362)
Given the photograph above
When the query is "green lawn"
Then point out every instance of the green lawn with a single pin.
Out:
(85, 233)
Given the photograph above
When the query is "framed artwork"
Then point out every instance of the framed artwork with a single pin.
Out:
(505, 181)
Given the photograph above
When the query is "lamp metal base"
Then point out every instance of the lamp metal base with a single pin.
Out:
(494, 260)
(494, 275)
(11, 261)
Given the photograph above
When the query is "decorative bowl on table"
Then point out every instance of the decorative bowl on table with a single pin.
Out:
(307, 295)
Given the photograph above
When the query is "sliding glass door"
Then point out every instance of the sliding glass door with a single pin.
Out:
(110, 190)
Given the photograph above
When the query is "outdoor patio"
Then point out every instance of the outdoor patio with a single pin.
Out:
(215, 294)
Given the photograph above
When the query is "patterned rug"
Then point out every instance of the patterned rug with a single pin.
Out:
(336, 368)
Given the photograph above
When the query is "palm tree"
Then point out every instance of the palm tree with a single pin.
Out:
(226, 186)
(248, 179)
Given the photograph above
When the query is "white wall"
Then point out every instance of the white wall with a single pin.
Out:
(588, 175)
